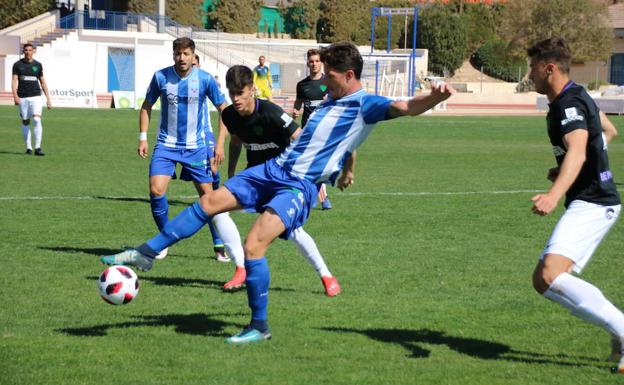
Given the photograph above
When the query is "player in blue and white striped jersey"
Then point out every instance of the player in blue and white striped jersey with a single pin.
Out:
(284, 188)
(182, 90)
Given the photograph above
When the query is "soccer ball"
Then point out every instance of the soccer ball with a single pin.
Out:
(118, 285)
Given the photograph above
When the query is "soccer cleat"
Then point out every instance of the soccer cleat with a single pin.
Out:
(38, 152)
(237, 281)
(249, 335)
(326, 204)
(163, 253)
(28, 151)
(130, 257)
(332, 288)
(221, 256)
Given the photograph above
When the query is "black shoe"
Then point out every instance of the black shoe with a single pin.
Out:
(29, 152)
(38, 152)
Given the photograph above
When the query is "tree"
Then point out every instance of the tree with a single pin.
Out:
(13, 12)
(301, 17)
(344, 20)
(443, 33)
(186, 12)
(481, 24)
(582, 23)
(236, 16)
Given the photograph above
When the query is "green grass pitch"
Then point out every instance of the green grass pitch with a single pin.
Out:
(434, 247)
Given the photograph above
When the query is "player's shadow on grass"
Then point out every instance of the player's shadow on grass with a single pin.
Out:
(477, 348)
(194, 324)
(172, 202)
(12, 153)
(85, 250)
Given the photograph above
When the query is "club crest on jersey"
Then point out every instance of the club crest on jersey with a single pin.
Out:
(35, 68)
(323, 87)
(571, 116)
(257, 130)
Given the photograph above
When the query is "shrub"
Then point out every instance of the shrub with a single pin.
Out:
(496, 61)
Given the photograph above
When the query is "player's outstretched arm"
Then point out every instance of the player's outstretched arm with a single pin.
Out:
(421, 103)
(233, 154)
(608, 128)
(14, 81)
(144, 119)
(347, 177)
(576, 143)
(44, 87)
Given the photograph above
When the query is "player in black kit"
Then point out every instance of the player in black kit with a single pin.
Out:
(579, 133)
(265, 130)
(25, 85)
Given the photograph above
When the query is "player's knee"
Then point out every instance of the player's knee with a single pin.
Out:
(542, 278)
(157, 191)
(26, 122)
(252, 247)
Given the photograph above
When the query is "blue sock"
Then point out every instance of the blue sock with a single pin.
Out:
(257, 282)
(185, 224)
(216, 239)
(160, 210)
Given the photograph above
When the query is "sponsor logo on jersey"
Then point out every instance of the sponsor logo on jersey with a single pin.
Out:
(176, 99)
(260, 146)
(572, 116)
(286, 119)
(606, 175)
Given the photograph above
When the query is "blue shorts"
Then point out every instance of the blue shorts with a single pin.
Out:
(193, 161)
(268, 185)
(210, 145)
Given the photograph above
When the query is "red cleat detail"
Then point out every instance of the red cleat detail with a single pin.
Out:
(238, 280)
(332, 288)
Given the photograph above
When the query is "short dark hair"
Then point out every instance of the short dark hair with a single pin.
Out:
(197, 58)
(183, 43)
(342, 57)
(28, 45)
(313, 52)
(237, 78)
(554, 49)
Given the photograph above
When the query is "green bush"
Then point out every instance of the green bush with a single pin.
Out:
(494, 58)
(444, 34)
(596, 84)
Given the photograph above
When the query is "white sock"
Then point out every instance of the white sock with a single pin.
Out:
(38, 131)
(231, 237)
(587, 302)
(26, 134)
(308, 248)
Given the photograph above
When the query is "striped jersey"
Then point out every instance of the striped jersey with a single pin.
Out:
(183, 114)
(335, 129)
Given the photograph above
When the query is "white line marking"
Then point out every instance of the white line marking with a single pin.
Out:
(406, 194)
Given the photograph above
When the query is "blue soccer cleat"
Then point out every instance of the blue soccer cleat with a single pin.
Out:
(248, 336)
(326, 204)
(130, 257)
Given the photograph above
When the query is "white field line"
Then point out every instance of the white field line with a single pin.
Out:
(405, 194)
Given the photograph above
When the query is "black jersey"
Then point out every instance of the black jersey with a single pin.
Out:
(265, 133)
(28, 75)
(312, 93)
(574, 109)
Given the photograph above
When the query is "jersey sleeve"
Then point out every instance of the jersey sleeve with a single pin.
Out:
(573, 115)
(375, 108)
(213, 92)
(300, 91)
(153, 91)
(15, 68)
(281, 119)
(40, 71)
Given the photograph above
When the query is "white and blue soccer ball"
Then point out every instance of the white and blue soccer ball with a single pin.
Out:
(118, 285)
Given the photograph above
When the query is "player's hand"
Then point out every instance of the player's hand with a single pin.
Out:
(295, 114)
(441, 91)
(16, 101)
(219, 154)
(544, 204)
(49, 103)
(345, 180)
(553, 173)
(142, 149)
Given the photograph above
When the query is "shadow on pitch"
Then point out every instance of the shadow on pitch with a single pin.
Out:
(412, 341)
(13, 153)
(172, 202)
(85, 250)
(194, 324)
